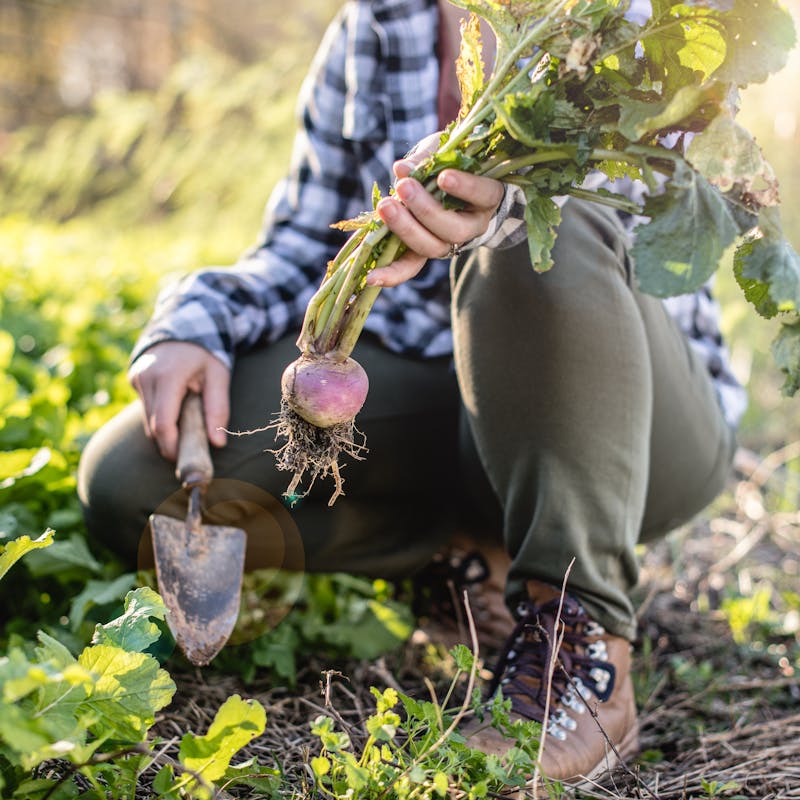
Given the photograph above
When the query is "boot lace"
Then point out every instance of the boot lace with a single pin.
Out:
(581, 669)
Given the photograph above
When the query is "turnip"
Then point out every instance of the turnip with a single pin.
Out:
(577, 88)
(323, 391)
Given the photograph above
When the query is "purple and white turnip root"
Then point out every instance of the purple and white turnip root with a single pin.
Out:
(320, 399)
(324, 391)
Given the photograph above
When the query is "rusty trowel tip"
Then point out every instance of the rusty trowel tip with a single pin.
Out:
(202, 655)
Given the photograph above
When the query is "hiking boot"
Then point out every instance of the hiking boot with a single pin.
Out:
(591, 689)
(481, 569)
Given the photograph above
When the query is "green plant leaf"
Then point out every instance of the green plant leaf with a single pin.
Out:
(129, 689)
(690, 229)
(37, 702)
(135, 630)
(703, 48)
(235, 724)
(639, 117)
(18, 464)
(469, 65)
(98, 593)
(321, 766)
(760, 34)
(768, 259)
(755, 291)
(542, 216)
(266, 780)
(527, 116)
(682, 45)
(463, 657)
(727, 156)
(506, 18)
(164, 782)
(786, 352)
(11, 552)
(53, 651)
(64, 553)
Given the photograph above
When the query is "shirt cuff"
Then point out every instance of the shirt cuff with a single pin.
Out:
(507, 226)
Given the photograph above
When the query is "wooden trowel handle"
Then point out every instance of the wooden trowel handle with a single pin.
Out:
(194, 459)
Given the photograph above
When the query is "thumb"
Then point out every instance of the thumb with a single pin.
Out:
(216, 401)
(404, 166)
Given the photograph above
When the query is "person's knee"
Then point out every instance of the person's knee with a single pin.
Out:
(590, 251)
(113, 475)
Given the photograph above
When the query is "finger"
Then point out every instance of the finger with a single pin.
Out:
(405, 268)
(443, 225)
(137, 377)
(484, 194)
(403, 168)
(416, 155)
(401, 221)
(216, 402)
(163, 417)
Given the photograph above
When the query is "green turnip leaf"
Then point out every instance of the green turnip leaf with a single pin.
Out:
(691, 226)
(641, 117)
(760, 33)
(129, 688)
(470, 65)
(542, 216)
(135, 630)
(756, 292)
(728, 156)
(235, 724)
(684, 46)
(769, 259)
(15, 549)
(786, 352)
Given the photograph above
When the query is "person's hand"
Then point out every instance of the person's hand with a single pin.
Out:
(162, 376)
(423, 224)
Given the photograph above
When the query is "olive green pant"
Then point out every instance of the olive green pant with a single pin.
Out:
(578, 421)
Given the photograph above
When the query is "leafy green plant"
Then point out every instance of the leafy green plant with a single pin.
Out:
(718, 788)
(93, 713)
(339, 616)
(17, 548)
(413, 748)
(762, 614)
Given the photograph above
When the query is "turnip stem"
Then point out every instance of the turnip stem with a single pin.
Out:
(520, 162)
(355, 272)
(319, 309)
(357, 314)
(616, 202)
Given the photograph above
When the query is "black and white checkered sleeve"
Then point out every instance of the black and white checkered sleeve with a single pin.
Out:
(264, 295)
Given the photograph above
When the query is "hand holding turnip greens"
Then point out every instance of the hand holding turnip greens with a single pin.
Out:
(578, 88)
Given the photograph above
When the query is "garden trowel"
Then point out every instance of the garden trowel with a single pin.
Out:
(199, 567)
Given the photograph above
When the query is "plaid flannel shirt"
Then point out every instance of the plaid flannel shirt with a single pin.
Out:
(371, 94)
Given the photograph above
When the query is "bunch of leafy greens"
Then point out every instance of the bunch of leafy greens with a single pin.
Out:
(80, 725)
(576, 88)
